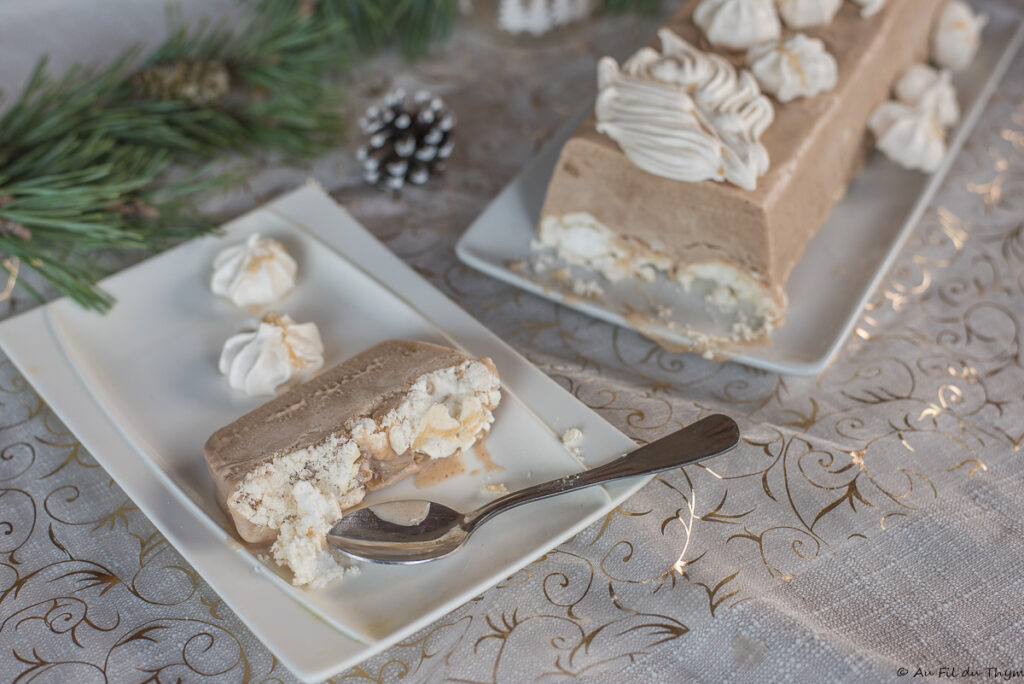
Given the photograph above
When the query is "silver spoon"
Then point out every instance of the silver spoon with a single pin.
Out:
(416, 531)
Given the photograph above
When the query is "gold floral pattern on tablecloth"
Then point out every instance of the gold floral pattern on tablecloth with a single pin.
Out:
(924, 397)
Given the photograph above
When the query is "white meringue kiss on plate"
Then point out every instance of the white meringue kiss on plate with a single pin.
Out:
(911, 137)
(911, 130)
(957, 36)
(278, 352)
(926, 88)
(253, 274)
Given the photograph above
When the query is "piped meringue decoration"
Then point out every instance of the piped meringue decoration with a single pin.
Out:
(255, 273)
(799, 14)
(685, 114)
(797, 67)
(869, 7)
(957, 36)
(928, 89)
(738, 24)
(279, 352)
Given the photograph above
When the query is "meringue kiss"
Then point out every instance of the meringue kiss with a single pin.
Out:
(278, 352)
(254, 274)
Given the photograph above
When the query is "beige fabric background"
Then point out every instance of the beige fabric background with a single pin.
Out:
(872, 519)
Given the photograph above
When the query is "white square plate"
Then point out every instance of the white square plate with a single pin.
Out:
(140, 389)
(841, 267)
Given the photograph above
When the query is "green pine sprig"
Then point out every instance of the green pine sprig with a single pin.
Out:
(84, 159)
(411, 25)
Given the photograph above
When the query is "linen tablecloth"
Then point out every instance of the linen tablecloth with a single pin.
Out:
(870, 526)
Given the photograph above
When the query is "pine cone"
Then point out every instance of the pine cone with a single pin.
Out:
(198, 81)
(407, 142)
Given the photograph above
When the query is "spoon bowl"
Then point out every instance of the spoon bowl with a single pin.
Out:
(418, 530)
(364, 535)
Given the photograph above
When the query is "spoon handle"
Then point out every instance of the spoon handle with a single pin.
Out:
(705, 438)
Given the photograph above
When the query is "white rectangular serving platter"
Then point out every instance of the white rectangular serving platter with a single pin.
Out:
(140, 388)
(841, 267)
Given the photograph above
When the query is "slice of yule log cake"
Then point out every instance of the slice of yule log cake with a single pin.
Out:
(718, 154)
(286, 471)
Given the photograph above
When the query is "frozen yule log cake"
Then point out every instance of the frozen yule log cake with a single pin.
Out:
(286, 471)
(705, 162)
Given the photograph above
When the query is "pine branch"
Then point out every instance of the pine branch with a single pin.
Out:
(416, 24)
(412, 25)
(84, 159)
(279, 100)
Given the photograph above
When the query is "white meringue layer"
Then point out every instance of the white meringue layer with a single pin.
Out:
(255, 273)
(738, 24)
(279, 352)
(797, 67)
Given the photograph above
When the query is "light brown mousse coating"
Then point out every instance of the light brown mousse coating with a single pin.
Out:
(816, 145)
(367, 385)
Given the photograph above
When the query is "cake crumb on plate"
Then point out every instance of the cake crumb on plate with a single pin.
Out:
(571, 440)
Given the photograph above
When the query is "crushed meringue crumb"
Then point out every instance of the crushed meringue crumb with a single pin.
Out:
(586, 288)
(571, 440)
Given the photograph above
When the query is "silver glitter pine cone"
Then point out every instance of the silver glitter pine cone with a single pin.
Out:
(407, 141)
